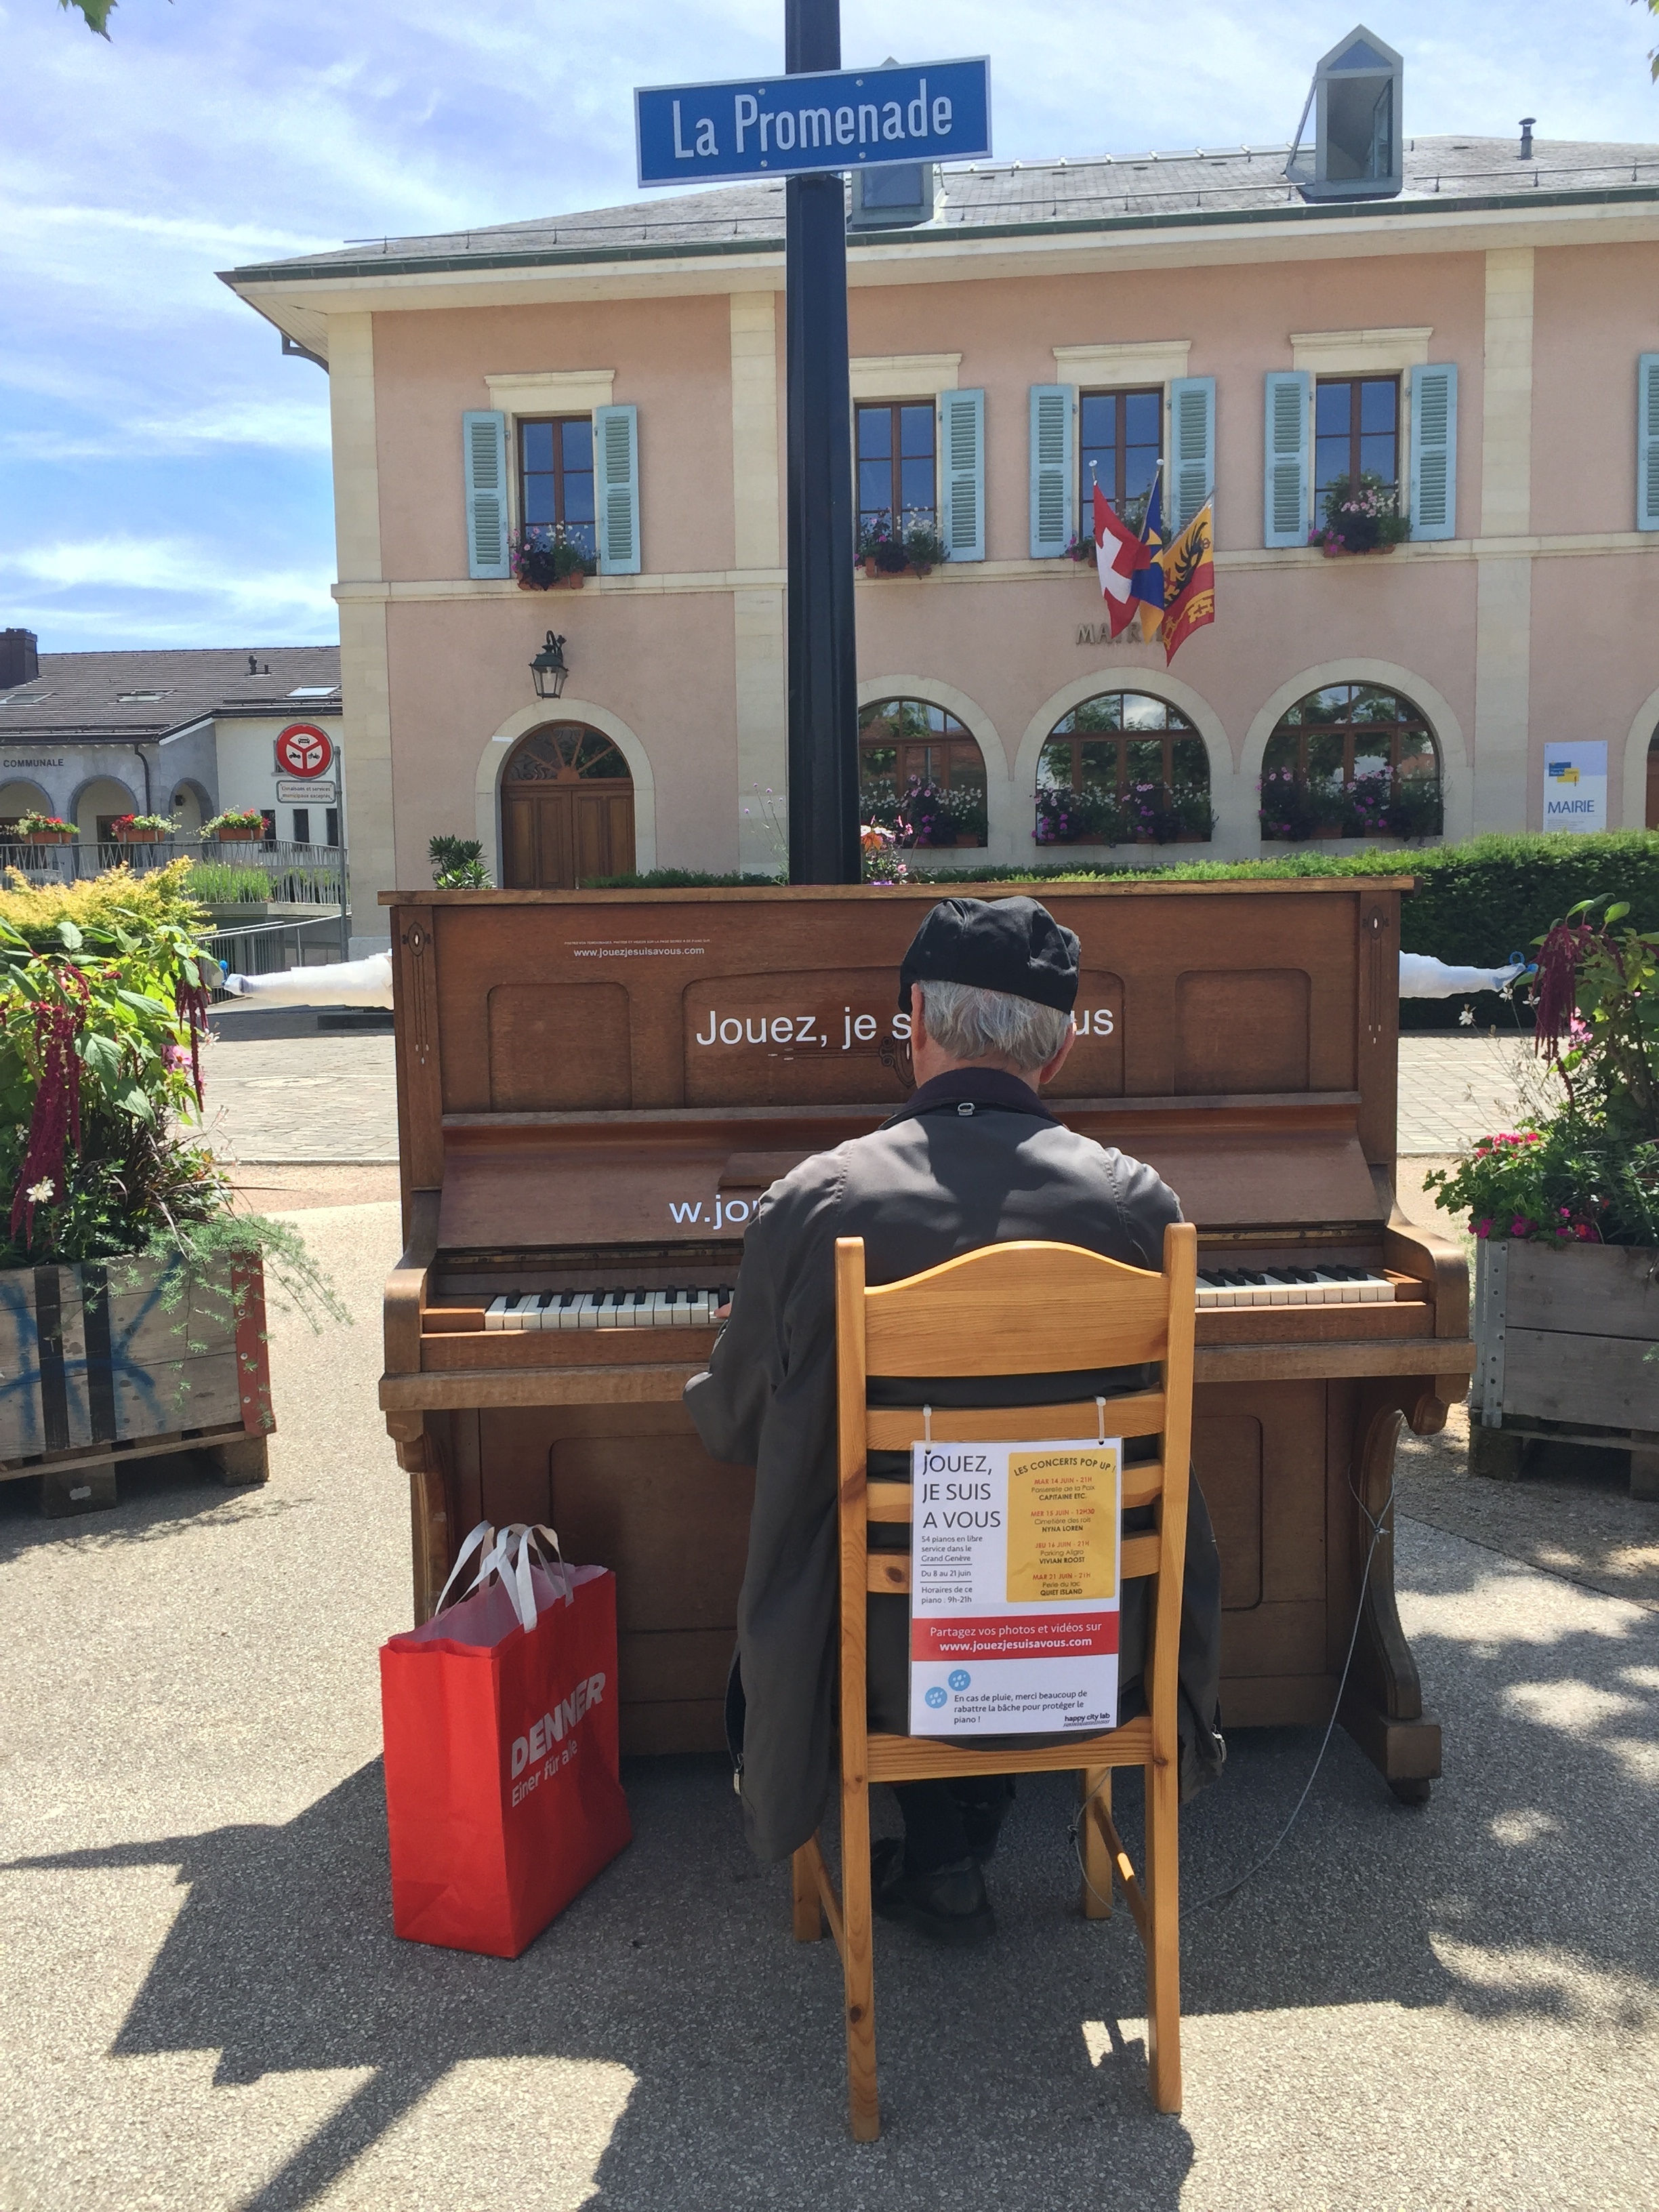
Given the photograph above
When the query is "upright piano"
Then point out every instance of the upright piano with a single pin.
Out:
(595, 1088)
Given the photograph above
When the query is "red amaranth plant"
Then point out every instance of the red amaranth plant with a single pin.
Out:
(57, 1116)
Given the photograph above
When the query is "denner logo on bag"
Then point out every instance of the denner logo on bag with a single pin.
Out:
(551, 1730)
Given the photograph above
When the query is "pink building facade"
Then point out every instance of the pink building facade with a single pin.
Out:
(1486, 344)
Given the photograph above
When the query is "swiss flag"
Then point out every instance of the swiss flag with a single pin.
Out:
(1117, 554)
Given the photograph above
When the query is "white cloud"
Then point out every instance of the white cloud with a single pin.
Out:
(134, 564)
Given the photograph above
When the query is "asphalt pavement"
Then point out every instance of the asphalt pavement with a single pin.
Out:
(1454, 2009)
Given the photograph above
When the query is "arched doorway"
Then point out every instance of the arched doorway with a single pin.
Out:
(567, 809)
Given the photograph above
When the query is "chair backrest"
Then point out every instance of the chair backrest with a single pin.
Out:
(1021, 1308)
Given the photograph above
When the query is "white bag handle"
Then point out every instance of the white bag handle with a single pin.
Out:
(483, 1536)
(510, 1557)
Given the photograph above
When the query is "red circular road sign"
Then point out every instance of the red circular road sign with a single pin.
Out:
(304, 749)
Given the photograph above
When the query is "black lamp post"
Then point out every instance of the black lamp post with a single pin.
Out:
(824, 739)
(548, 669)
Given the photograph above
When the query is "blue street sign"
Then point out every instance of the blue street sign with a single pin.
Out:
(781, 126)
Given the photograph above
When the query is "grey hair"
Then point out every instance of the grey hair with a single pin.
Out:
(970, 1024)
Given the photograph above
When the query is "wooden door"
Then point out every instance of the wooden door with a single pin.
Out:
(1653, 785)
(553, 835)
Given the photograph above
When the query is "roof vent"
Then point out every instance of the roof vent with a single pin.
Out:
(1354, 101)
(1526, 122)
(134, 698)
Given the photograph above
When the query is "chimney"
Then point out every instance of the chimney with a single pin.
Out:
(20, 661)
(253, 666)
(1526, 122)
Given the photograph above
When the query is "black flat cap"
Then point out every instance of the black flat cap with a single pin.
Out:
(1011, 944)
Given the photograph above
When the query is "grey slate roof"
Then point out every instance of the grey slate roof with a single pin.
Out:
(76, 694)
(1220, 184)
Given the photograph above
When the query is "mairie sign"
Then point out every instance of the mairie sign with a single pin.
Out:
(780, 126)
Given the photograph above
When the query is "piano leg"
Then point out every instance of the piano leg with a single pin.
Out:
(1382, 1707)
(423, 1459)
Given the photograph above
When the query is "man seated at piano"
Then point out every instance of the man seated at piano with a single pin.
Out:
(973, 1157)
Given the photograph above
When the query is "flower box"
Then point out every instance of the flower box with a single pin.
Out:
(96, 1360)
(905, 568)
(572, 580)
(1562, 1334)
(234, 836)
(134, 835)
(49, 838)
(1350, 552)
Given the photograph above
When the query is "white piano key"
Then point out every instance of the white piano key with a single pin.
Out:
(587, 1311)
(495, 1314)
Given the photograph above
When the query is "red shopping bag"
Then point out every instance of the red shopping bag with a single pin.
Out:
(503, 1796)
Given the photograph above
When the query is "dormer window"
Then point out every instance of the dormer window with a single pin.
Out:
(1354, 105)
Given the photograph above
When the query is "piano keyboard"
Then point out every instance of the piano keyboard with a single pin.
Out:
(640, 1309)
(1329, 1286)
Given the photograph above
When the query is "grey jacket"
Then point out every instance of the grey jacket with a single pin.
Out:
(974, 1158)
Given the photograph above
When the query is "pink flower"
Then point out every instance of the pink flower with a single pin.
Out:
(1583, 1232)
(1481, 1228)
(1520, 1226)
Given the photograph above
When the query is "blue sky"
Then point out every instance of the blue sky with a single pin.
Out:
(164, 471)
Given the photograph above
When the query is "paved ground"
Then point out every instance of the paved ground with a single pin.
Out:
(202, 2004)
(1455, 1089)
(305, 1098)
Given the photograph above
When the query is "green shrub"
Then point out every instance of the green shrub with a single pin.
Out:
(677, 880)
(458, 863)
(217, 883)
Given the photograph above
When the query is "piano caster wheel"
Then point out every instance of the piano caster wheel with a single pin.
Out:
(1414, 1791)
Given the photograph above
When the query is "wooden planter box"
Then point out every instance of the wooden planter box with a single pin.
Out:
(97, 1368)
(1561, 1339)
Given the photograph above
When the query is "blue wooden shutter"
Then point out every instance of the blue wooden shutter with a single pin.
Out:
(1647, 442)
(962, 449)
(1284, 492)
(484, 461)
(1434, 451)
(1053, 406)
(616, 461)
(1191, 473)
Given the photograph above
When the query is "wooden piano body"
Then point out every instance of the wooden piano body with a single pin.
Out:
(594, 1089)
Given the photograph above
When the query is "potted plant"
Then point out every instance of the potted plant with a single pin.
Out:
(1362, 517)
(913, 548)
(458, 863)
(547, 558)
(141, 829)
(131, 1295)
(926, 813)
(1089, 817)
(1565, 1212)
(45, 830)
(237, 825)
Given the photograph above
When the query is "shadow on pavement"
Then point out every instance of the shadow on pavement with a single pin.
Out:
(157, 1497)
(1012, 2075)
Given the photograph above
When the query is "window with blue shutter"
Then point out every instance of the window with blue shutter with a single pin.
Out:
(1647, 442)
(1285, 460)
(1053, 406)
(1434, 451)
(616, 466)
(484, 460)
(962, 473)
(1191, 473)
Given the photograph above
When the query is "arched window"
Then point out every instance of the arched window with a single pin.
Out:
(567, 809)
(1351, 761)
(1123, 768)
(921, 774)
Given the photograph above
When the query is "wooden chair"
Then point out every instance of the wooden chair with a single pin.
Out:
(1017, 1309)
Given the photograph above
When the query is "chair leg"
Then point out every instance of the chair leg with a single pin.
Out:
(1095, 1783)
(858, 1960)
(1164, 1935)
(808, 1912)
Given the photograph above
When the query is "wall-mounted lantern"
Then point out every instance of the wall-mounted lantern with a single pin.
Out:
(548, 669)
